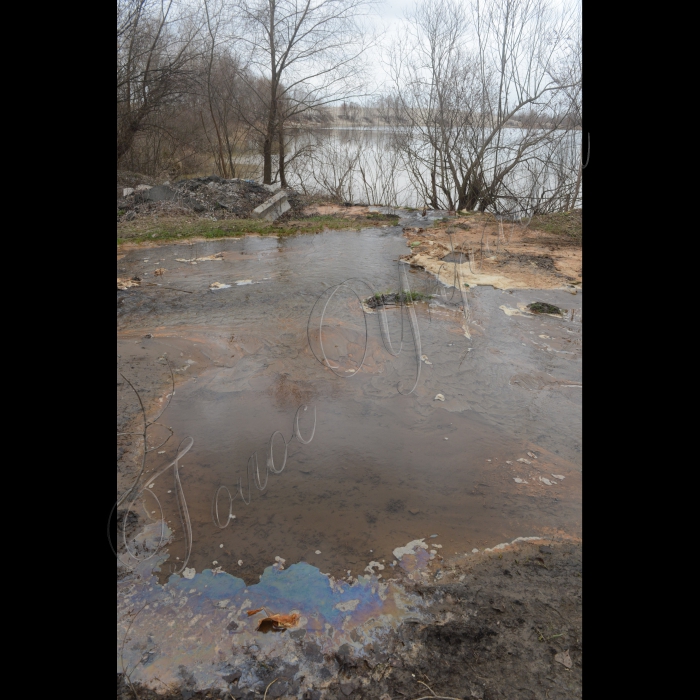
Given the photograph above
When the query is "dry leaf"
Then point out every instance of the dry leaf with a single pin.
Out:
(276, 622)
(564, 659)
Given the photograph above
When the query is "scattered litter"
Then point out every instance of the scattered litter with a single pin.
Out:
(219, 285)
(318, 551)
(231, 517)
(559, 476)
(279, 560)
(221, 546)
(439, 397)
(564, 659)
(425, 359)
(150, 486)
(159, 272)
(547, 481)
(162, 452)
(209, 258)
(475, 551)
(432, 537)
(242, 283)
(125, 284)
(524, 461)
(189, 574)
(447, 438)
(532, 454)
(214, 563)
(520, 481)
(509, 462)
(349, 606)
(240, 562)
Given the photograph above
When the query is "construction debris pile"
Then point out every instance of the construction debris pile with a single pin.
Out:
(202, 196)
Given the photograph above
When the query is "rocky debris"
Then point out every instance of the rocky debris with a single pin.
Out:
(205, 196)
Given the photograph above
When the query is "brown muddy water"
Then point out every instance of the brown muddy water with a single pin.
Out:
(383, 468)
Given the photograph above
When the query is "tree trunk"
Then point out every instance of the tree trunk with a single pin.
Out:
(283, 174)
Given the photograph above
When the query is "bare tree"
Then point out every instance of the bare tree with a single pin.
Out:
(309, 54)
(464, 75)
(225, 91)
(155, 49)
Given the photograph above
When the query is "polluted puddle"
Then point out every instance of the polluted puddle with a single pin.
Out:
(306, 475)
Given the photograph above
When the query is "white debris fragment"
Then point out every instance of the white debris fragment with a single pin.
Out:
(240, 562)
(372, 565)
(410, 548)
(532, 454)
(546, 481)
(439, 397)
(475, 551)
(520, 481)
(318, 551)
(559, 476)
(189, 574)
(524, 461)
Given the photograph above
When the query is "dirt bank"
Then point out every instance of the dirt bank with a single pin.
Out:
(504, 624)
(547, 254)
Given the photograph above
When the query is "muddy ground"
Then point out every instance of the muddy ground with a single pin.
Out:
(545, 254)
(504, 625)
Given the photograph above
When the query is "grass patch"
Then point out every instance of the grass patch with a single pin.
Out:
(380, 299)
(567, 225)
(541, 307)
(174, 228)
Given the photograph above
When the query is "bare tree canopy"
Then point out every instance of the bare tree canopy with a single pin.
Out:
(309, 54)
(483, 109)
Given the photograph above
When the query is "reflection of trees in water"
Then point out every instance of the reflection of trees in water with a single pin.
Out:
(385, 169)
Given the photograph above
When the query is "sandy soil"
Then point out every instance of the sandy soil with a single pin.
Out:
(505, 257)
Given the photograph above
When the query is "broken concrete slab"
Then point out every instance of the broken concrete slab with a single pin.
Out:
(273, 208)
(161, 193)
